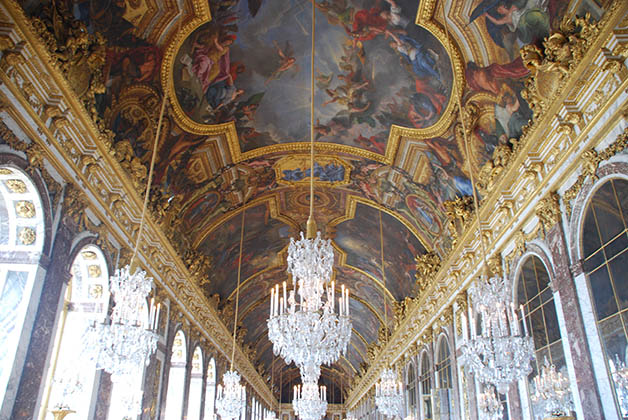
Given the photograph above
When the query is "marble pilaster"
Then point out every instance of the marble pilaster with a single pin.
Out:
(576, 337)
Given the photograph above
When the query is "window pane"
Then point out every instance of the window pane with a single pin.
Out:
(603, 296)
(606, 212)
(538, 328)
(617, 245)
(590, 236)
(621, 190)
(613, 336)
(551, 322)
(618, 271)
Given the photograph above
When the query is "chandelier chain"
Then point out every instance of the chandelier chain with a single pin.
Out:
(381, 254)
(235, 321)
(150, 177)
(312, 119)
(455, 89)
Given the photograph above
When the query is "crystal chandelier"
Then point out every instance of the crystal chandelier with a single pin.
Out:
(620, 378)
(124, 346)
(389, 394)
(489, 405)
(231, 397)
(551, 392)
(310, 332)
(502, 353)
(310, 401)
(270, 415)
(389, 391)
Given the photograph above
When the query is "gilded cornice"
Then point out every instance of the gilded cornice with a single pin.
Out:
(52, 115)
(540, 162)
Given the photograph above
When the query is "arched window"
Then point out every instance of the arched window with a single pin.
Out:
(443, 364)
(21, 244)
(196, 385)
(176, 378)
(426, 387)
(72, 376)
(411, 390)
(210, 390)
(243, 413)
(535, 294)
(605, 252)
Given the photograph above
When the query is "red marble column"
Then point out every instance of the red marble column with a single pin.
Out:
(563, 284)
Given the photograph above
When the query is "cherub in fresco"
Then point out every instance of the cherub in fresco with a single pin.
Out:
(323, 80)
(287, 61)
(393, 15)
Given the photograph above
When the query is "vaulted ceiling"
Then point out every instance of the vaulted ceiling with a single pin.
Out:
(389, 78)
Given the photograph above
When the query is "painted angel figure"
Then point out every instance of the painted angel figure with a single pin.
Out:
(423, 60)
(287, 61)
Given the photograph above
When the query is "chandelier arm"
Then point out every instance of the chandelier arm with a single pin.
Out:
(235, 321)
(466, 139)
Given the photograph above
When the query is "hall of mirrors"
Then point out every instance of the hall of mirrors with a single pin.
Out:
(162, 135)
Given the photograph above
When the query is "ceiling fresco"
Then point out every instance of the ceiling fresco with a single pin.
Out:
(235, 133)
(359, 237)
(251, 67)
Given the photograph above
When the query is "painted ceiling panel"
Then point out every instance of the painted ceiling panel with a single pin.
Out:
(360, 239)
(264, 237)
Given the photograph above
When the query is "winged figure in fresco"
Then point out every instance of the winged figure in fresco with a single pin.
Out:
(287, 61)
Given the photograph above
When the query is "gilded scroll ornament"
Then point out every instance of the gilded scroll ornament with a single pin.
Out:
(458, 214)
(16, 186)
(549, 67)
(27, 236)
(5, 171)
(495, 265)
(198, 265)
(548, 210)
(74, 204)
(94, 271)
(490, 171)
(590, 160)
(79, 54)
(427, 265)
(462, 304)
(25, 209)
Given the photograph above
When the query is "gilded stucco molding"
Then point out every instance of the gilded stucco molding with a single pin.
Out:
(589, 162)
(80, 152)
(534, 160)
